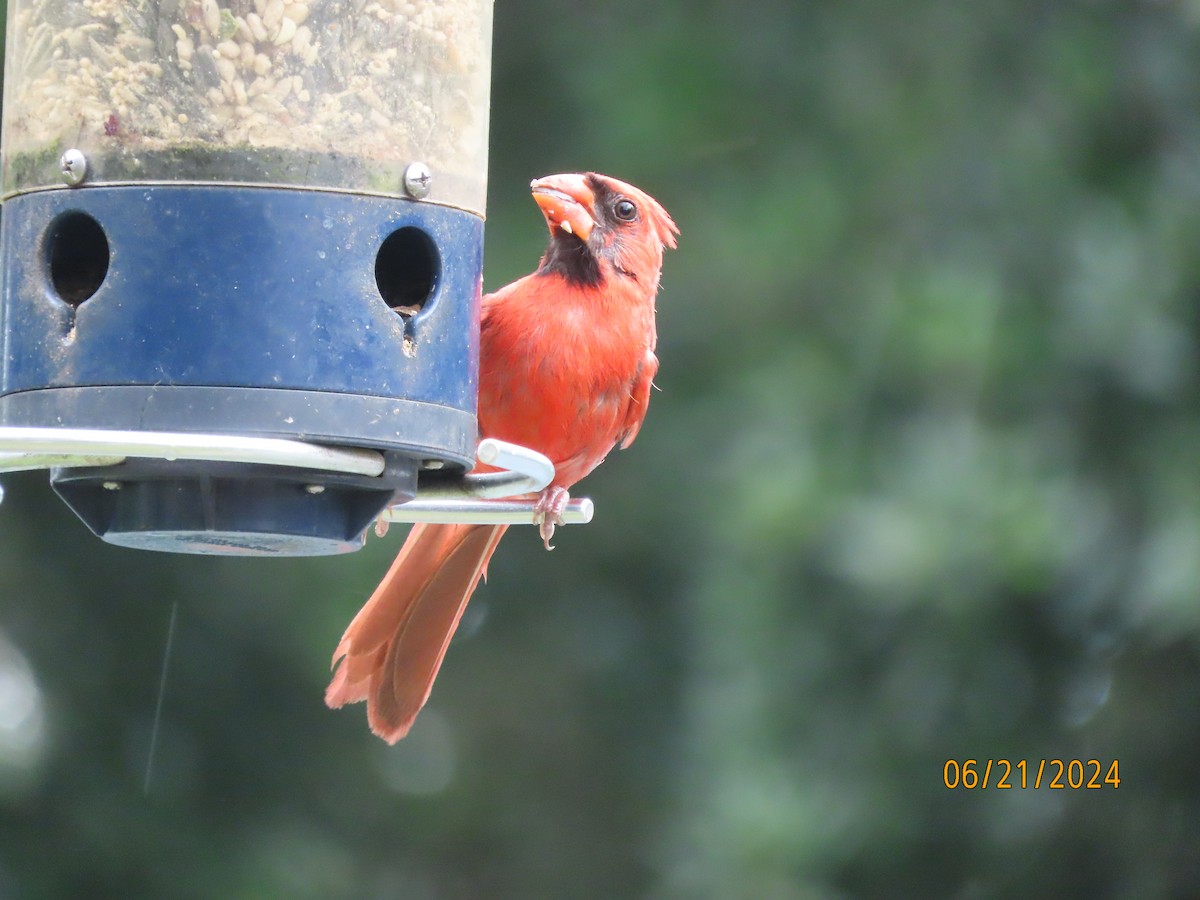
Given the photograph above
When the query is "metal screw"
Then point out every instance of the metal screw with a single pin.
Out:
(111, 485)
(74, 166)
(314, 488)
(417, 180)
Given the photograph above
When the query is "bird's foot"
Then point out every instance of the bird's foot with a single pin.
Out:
(547, 512)
(381, 526)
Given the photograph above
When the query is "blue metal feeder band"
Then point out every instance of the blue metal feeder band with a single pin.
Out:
(340, 318)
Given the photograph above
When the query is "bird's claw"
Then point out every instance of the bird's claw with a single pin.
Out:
(547, 512)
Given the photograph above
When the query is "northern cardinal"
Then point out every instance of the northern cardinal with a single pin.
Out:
(566, 365)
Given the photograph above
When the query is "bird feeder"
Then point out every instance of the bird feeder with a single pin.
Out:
(242, 256)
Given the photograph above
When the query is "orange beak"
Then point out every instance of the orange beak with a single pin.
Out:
(567, 203)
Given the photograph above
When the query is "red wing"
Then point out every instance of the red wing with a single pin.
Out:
(639, 400)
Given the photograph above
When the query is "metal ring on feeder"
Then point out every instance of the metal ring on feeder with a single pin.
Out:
(472, 499)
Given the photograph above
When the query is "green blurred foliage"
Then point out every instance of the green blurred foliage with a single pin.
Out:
(922, 483)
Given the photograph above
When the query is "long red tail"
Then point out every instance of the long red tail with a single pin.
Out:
(394, 647)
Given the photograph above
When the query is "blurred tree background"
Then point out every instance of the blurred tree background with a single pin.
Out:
(922, 483)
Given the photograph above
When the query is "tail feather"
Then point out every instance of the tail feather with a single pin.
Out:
(393, 649)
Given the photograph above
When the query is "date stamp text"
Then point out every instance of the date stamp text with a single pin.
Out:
(1054, 774)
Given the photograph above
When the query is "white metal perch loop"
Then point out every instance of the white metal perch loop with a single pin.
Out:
(481, 498)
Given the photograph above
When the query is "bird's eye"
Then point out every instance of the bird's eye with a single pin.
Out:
(625, 210)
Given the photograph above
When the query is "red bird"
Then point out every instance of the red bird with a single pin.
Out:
(566, 365)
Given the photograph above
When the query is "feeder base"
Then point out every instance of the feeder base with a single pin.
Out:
(323, 317)
(224, 509)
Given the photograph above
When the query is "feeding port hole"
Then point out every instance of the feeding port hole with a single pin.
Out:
(406, 270)
(77, 256)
